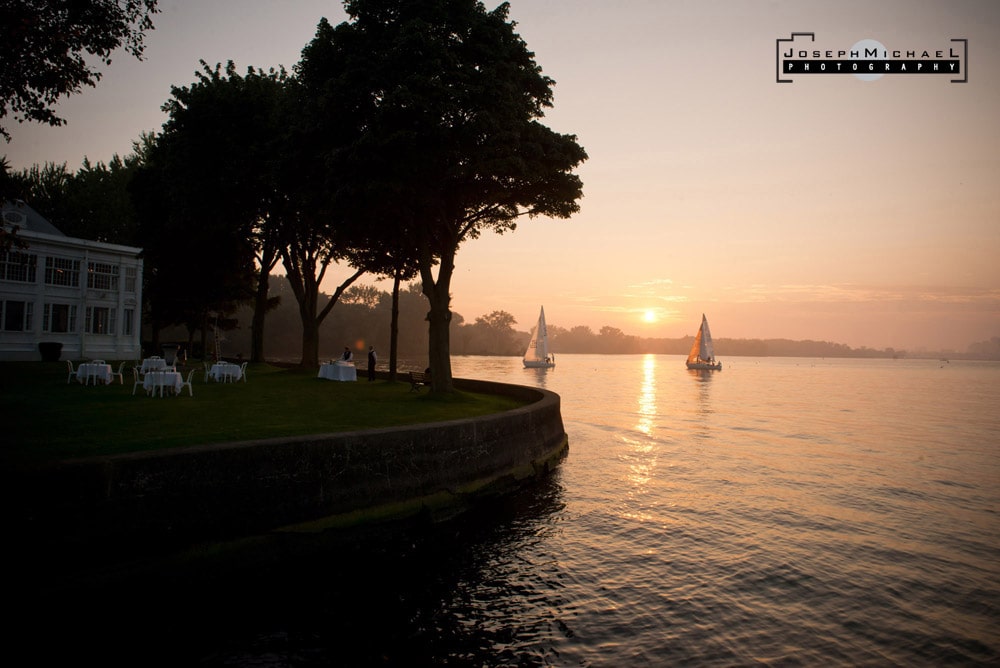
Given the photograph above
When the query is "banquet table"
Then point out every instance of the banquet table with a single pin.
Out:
(158, 381)
(96, 371)
(221, 371)
(153, 364)
(338, 371)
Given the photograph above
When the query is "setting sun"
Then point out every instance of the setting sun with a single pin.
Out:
(649, 316)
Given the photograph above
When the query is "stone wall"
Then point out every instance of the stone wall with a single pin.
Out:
(225, 491)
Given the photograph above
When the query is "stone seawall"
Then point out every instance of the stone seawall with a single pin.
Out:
(225, 491)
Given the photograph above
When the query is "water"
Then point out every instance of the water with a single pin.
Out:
(788, 512)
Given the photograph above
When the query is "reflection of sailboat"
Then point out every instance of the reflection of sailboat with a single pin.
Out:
(702, 355)
(537, 355)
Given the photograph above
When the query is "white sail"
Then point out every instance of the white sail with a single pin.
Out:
(707, 349)
(702, 355)
(537, 354)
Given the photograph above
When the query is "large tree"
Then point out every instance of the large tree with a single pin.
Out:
(45, 46)
(444, 97)
(319, 230)
(215, 160)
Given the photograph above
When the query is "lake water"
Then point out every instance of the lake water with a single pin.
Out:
(788, 512)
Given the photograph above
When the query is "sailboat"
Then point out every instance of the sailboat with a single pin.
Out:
(537, 356)
(702, 355)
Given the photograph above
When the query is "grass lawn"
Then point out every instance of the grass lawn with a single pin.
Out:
(47, 419)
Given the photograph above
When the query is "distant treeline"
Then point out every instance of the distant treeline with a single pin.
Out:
(362, 318)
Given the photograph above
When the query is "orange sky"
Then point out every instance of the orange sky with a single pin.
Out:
(861, 212)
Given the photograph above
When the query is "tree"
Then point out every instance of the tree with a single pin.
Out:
(92, 203)
(324, 227)
(499, 326)
(445, 99)
(45, 44)
(215, 158)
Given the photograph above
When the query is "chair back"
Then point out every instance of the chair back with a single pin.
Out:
(137, 382)
(187, 384)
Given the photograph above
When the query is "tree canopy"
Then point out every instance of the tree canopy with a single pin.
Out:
(444, 98)
(44, 47)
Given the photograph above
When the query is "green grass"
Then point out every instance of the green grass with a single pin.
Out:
(47, 419)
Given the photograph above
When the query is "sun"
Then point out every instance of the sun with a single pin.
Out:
(649, 316)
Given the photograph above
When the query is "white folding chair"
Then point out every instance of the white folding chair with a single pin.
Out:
(72, 371)
(243, 372)
(187, 384)
(118, 374)
(137, 383)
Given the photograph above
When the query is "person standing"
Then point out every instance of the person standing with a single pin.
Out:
(372, 360)
(348, 356)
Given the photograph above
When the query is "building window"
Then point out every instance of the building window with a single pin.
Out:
(16, 316)
(128, 322)
(130, 276)
(62, 271)
(102, 276)
(17, 266)
(59, 318)
(100, 320)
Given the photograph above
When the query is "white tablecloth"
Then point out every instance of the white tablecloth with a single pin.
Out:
(153, 364)
(158, 381)
(338, 371)
(220, 370)
(91, 373)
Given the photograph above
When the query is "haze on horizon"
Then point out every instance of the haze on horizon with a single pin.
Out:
(859, 212)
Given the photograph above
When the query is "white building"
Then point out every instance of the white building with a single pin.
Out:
(84, 294)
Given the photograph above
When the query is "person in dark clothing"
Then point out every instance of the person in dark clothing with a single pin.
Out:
(372, 360)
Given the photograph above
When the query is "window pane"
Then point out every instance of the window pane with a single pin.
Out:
(13, 316)
(60, 318)
(62, 271)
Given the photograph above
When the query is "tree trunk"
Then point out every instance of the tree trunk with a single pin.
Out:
(268, 259)
(438, 295)
(310, 325)
(439, 347)
(394, 329)
(257, 324)
(305, 281)
(310, 343)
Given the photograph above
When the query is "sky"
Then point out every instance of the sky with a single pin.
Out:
(829, 207)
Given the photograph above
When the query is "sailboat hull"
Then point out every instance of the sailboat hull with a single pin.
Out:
(528, 364)
(702, 366)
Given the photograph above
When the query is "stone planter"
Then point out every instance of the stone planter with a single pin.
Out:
(50, 350)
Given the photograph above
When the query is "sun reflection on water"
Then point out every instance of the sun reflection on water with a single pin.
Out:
(647, 396)
(643, 451)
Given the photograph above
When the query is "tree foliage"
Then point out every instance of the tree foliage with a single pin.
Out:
(206, 194)
(45, 44)
(215, 159)
(91, 203)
